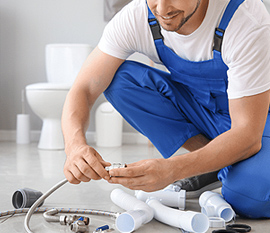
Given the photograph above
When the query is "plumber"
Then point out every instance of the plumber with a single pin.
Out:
(213, 101)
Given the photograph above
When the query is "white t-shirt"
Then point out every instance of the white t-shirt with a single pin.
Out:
(245, 46)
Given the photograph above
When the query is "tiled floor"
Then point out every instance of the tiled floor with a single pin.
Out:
(26, 166)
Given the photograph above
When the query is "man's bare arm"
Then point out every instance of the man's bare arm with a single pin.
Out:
(83, 162)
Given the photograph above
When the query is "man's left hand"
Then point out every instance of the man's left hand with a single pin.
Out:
(147, 175)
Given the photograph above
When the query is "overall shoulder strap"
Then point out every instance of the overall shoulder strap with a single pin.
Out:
(219, 32)
(154, 26)
(228, 14)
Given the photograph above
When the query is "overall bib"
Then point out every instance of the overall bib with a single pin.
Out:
(191, 99)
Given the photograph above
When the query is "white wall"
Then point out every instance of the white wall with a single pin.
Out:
(26, 26)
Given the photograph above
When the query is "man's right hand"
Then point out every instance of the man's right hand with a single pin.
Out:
(84, 163)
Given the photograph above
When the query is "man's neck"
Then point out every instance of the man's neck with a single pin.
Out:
(196, 20)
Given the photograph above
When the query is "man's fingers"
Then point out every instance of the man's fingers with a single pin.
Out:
(97, 166)
(86, 171)
(127, 181)
(135, 171)
(137, 183)
(71, 179)
(75, 177)
(85, 163)
(105, 164)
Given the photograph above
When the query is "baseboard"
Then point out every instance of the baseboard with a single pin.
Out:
(7, 135)
(128, 137)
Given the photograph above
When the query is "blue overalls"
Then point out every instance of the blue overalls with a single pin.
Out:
(170, 108)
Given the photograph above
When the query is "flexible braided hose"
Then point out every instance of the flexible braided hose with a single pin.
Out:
(48, 193)
(60, 210)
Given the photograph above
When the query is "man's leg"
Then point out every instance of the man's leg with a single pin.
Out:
(147, 99)
(167, 113)
(246, 185)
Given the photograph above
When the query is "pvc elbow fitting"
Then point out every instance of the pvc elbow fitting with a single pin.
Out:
(213, 205)
(187, 220)
(168, 198)
(138, 212)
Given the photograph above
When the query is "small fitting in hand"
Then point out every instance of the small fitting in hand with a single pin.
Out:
(78, 226)
(115, 165)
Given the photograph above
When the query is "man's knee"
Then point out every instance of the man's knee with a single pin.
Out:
(247, 191)
(244, 203)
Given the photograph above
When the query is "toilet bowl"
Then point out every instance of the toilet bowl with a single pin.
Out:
(63, 62)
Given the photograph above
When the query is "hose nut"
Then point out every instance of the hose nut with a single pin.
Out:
(62, 219)
(86, 220)
(78, 226)
(68, 219)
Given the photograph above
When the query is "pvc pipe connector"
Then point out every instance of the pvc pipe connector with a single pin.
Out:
(213, 205)
(168, 198)
(24, 198)
(138, 212)
(187, 220)
(172, 188)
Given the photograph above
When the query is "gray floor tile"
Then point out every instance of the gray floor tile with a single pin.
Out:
(26, 166)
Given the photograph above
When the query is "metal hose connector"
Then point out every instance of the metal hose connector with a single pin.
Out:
(50, 216)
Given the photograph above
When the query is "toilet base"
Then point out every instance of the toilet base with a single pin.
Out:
(51, 137)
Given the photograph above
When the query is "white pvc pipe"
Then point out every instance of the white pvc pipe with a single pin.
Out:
(168, 198)
(172, 188)
(187, 220)
(213, 205)
(138, 212)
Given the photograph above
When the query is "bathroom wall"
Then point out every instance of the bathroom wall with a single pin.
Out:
(26, 26)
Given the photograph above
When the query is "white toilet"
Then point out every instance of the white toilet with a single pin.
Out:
(63, 63)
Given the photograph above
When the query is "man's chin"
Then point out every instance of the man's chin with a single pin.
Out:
(170, 28)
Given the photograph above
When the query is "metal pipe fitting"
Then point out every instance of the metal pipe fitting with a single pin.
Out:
(78, 226)
(64, 219)
(49, 215)
(69, 219)
(115, 165)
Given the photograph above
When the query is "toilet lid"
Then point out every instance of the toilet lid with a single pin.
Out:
(48, 86)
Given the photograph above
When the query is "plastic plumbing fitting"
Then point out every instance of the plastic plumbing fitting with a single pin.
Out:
(187, 220)
(168, 198)
(24, 198)
(138, 212)
(213, 205)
